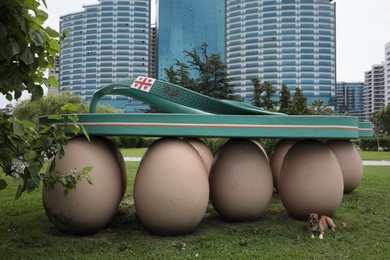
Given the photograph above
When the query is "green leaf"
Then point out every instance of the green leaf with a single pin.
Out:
(70, 108)
(3, 184)
(51, 32)
(8, 96)
(41, 15)
(10, 49)
(36, 93)
(55, 117)
(53, 81)
(53, 44)
(33, 183)
(85, 133)
(36, 37)
(30, 155)
(17, 128)
(27, 56)
(3, 30)
(19, 191)
(74, 128)
(34, 168)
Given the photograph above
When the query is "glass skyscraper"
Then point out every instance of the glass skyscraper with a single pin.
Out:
(106, 42)
(350, 99)
(290, 42)
(186, 24)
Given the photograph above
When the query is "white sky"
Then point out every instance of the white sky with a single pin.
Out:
(362, 32)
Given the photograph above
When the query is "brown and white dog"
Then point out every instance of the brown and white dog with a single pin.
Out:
(318, 223)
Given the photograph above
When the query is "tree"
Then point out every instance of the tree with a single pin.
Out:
(298, 106)
(263, 94)
(211, 79)
(256, 93)
(54, 104)
(318, 108)
(285, 100)
(27, 49)
(381, 120)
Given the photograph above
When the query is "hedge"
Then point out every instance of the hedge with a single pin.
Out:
(371, 144)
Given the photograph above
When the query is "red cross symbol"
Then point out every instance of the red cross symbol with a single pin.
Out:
(143, 83)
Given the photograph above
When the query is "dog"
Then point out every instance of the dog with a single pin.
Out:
(318, 223)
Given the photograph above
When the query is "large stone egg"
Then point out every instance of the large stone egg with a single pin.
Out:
(310, 180)
(204, 152)
(171, 189)
(262, 148)
(277, 156)
(350, 163)
(240, 181)
(89, 207)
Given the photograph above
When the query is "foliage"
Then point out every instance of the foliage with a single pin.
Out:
(67, 181)
(26, 48)
(381, 120)
(263, 94)
(55, 104)
(298, 105)
(373, 144)
(318, 108)
(285, 100)
(211, 79)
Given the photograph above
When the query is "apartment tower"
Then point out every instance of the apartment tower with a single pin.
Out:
(290, 42)
(106, 41)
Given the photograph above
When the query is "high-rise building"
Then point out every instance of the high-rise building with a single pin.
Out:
(349, 98)
(374, 90)
(387, 74)
(290, 42)
(106, 41)
(186, 24)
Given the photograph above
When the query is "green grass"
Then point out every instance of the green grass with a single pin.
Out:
(362, 233)
(133, 152)
(371, 155)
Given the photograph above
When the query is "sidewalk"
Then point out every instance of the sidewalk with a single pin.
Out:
(365, 163)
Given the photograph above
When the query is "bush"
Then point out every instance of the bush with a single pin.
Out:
(371, 144)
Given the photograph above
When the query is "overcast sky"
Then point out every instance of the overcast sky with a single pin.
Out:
(362, 32)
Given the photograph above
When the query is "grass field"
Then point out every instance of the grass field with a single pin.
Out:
(362, 232)
(371, 155)
(365, 155)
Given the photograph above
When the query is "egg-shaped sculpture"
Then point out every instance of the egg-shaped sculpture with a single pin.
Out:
(204, 152)
(89, 207)
(171, 188)
(277, 156)
(310, 180)
(240, 181)
(350, 163)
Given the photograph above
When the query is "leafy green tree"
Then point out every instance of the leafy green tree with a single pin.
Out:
(381, 120)
(263, 94)
(256, 101)
(211, 79)
(54, 104)
(27, 49)
(299, 106)
(318, 108)
(285, 100)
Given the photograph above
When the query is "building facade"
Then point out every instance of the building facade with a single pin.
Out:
(349, 99)
(186, 24)
(387, 74)
(106, 42)
(374, 90)
(290, 42)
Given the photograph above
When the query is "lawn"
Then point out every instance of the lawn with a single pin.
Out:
(362, 232)
(374, 155)
(365, 155)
